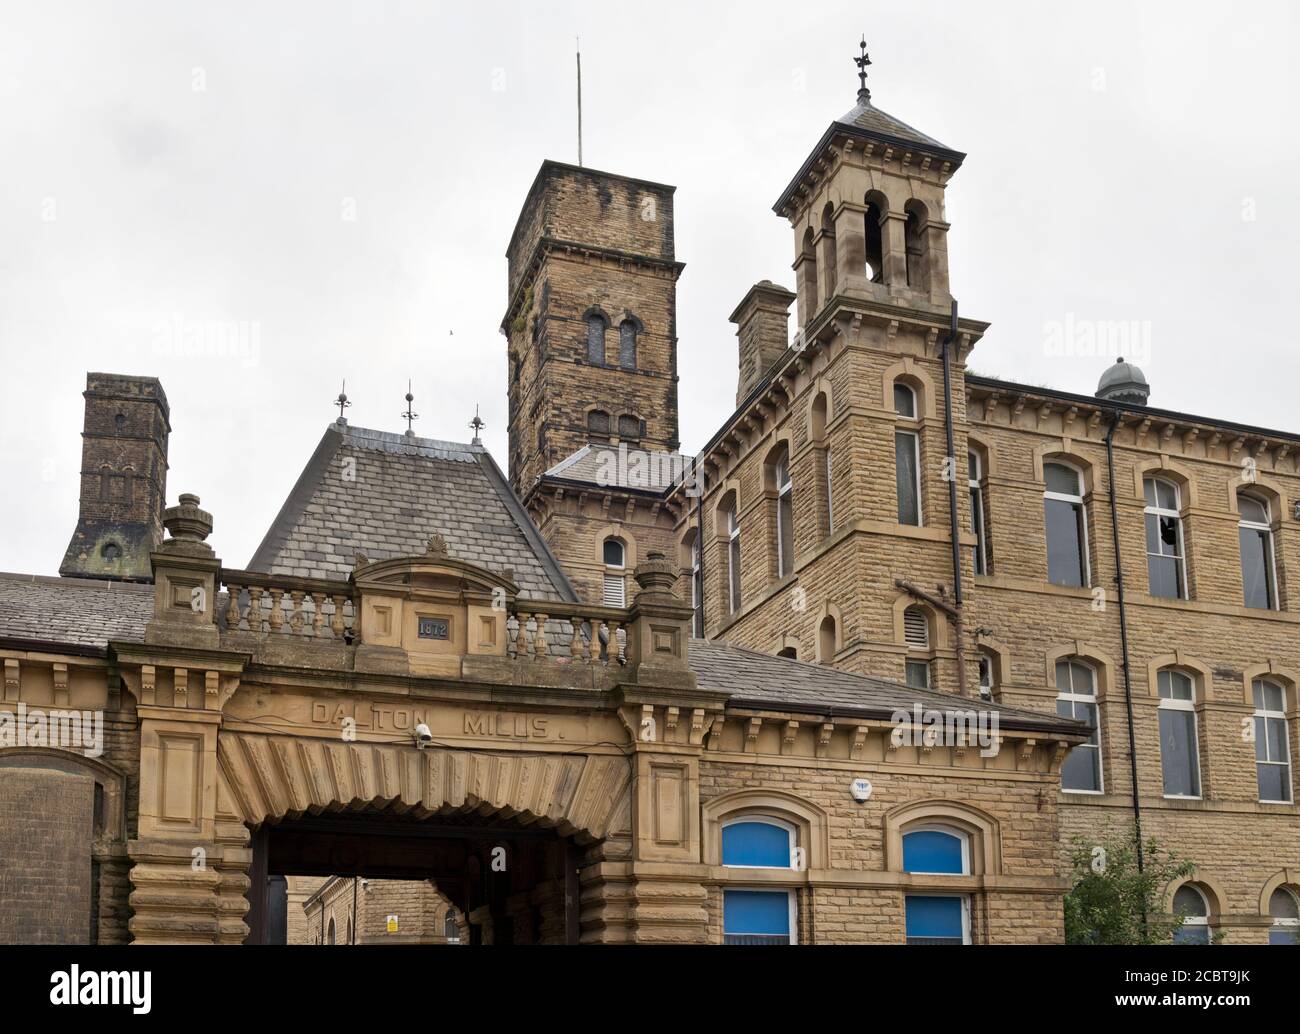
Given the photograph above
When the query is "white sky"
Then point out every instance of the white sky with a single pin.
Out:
(1128, 161)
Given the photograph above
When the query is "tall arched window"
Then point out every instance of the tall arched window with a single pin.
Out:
(697, 588)
(1258, 564)
(1284, 910)
(758, 916)
(826, 639)
(937, 918)
(1166, 571)
(598, 422)
(975, 483)
(597, 324)
(914, 242)
(1190, 902)
(627, 344)
(784, 515)
(615, 584)
(450, 928)
(818, 418)
(828, 259)
(1272, 741)
(907, 456)
(1179, 746)
(916, 637)
(1076, 686)
(349, 940)
(808, 274)
(874, 236)
(629, 427)
(331, 938)
(1066, 524)
(730, 520)
(988, 678)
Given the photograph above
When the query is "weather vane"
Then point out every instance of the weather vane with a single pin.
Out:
(410, 415)
(477, 423)
(342, 401)
(863, 63)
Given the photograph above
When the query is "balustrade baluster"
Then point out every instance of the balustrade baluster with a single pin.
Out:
(540, 646)
(275, 620)
(232, 611)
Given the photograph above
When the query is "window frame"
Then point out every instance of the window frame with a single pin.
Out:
(1196, 922)
(1261, 712)
(1265, 531)
(1194, 752)
(957, 833)
(593, 319)
(1154, 509)
(1085, 533)
(792, 843)
(734, 599)
(975, 484)
(791, 905)
(1090, 698)
(784, 513)
(697, 589)
(1284, 924)
(627, 329)
(965, 914)
(915, 447)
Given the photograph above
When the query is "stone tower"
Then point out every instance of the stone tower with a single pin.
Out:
(123, 479)
(591, 318)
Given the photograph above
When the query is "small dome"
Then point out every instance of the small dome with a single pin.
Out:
(1124, 382)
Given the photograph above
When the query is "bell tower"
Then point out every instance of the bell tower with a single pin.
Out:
(867, 210)
(591, 319)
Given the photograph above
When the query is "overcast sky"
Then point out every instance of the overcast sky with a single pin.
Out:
(342, 179)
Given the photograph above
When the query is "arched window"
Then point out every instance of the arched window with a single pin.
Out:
(349, 940)
(598, 422)
(627, 344)
(818, 419)
(915, 244)
(614, 554)
(1272, 742)
(629, 427)
(874, 237)
(597, 324)
(916, 637)
(826, 639)
(975, 483)
(731, 521)
(907, 457)
(808, 275)
(1258, 562)
(1076, 685)
(450, 928)
(1284, 908)
(1166, 571)
(784, 515)
(789, 653)
(1179, 747)
(828, 259)
(937, 918)
(753, 916)
(988, 675)
(1066, 525)
(1190, 903)
(697, 587)
(330, 939)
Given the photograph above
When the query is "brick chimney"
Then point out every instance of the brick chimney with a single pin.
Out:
(123, 479)
(763, 326)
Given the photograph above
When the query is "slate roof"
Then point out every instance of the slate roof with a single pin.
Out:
(760, 680)
(384, 494)
(621, 467)
(78, 612)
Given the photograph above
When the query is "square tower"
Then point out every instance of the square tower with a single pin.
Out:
(591, 318)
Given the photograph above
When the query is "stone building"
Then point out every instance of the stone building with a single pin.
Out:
(855, 673)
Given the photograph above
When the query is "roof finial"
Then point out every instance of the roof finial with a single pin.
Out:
(478, 425)
(342, 401)
(410, 414)
(863, 63)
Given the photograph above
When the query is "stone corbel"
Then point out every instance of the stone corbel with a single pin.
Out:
(60, 685)
(751, 734)
(696, 735)
(788, 735)
(716, 728)
(859, 741)
(13, 681)
(824, 739)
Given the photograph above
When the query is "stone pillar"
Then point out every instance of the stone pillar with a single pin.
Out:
(893, 241)
(935, 235)
(850, 243)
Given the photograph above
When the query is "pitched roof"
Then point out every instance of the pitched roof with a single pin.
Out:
(79, 612)
(385, 494)
(761, 680)
(621, 467)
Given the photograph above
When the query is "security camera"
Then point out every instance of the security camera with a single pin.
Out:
(422, 735)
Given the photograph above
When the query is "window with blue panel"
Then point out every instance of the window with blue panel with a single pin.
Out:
(756, 845)
(756, 917)
(933, 850)
(934, 920)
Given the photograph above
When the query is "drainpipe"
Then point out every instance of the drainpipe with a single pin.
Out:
(1123, 640)
(956, 611)
(699, 548)
(354, 911)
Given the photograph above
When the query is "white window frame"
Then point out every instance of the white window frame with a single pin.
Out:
(830, 494)
(1077, 500)
(1270, 544)
(965, 912)
(771, 820)
(952, 831)
(1085, 698)
(697, 615)
(790, 898)
(1199, 921)
(614, 586)
(1158, 511)
(986, 665)
(1291, 926)
(733, 568)
(974, 479)
(1175, 704)
(784, 494)
(1262, 711)
(916, 465)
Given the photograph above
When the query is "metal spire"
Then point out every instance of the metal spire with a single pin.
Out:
(478, 425)
(863, 63)
(410, 415)
(342, 401)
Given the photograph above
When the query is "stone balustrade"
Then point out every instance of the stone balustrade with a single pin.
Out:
(312, 608)
(570, 633)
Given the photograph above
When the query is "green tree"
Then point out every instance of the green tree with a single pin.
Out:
(1112, 902)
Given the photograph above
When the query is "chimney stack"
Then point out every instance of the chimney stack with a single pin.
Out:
(123, 479)
(763, 326)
